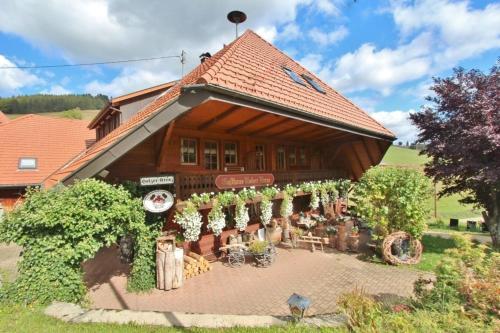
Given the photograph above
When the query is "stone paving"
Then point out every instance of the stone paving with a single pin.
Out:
(249, 290)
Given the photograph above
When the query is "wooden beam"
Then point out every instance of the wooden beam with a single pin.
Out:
(164, 143)
(368, 152)
(265, 128)
(334, 136)
(322, 131)
(219, 117)
(247, 122)
(288, 130)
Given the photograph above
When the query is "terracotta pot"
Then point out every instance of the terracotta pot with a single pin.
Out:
(332, 241)
(353, 242)
(341, 237)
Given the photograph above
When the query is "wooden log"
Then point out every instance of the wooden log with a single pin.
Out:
(190, 260)
(160, 266)
(178, 276)
(169, 269)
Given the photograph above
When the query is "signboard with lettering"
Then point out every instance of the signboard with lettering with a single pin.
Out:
(243, 180)
(159, 180)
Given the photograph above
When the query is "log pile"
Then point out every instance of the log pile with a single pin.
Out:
(194, 265)
(169, 264)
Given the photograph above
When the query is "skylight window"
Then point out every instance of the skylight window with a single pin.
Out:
(313, 83)
(294, 76)
(27, 163)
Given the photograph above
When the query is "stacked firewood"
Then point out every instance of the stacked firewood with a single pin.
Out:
(194, 265)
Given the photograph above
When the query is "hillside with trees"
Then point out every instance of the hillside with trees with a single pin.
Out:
(41, 103)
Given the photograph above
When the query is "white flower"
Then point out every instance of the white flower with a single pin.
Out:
(190, 220)
(242, 216)
(266, 211)
(216, 219)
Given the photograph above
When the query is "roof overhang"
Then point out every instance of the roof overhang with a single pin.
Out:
(190, 97)
(238, 98)
(13, 186)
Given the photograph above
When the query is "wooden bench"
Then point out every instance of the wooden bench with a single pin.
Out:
(313, 240)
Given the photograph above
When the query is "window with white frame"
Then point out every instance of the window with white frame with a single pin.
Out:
(230, 153)
(27, 163)
(211, 154)
(189, 149)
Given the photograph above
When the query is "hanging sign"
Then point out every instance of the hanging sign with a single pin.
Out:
(160, 180)
(243, 180)
(158, 201)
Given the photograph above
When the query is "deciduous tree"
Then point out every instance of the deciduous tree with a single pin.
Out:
(461, 131)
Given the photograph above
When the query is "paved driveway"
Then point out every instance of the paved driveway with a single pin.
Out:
(250, 290)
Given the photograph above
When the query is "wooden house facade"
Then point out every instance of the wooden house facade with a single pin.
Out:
(248, 112)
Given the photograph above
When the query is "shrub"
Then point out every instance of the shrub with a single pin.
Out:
(467, 280)
(61, 227)
(392, 199)
(360, 308)
(72, 114)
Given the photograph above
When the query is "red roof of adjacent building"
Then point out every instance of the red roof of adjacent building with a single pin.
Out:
(252, 66)
(52, 141)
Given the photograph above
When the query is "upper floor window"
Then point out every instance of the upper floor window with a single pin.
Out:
(230, 153)
(280, 158)
(211, 155)
(27, 163)
(292, 156)
(189, 148)
(302, 156)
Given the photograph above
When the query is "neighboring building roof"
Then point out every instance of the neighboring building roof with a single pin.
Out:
(51, 141)
(117, 101)
(3, 118)
(251, 66)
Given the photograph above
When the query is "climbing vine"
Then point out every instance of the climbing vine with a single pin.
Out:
(62, 227)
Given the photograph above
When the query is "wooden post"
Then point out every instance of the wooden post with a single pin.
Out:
(160, 272)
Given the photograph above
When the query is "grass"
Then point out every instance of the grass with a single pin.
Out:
(86, 114)
(447, 207)
(434, 248)
(21, 319)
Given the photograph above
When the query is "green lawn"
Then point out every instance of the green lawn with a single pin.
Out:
(21, 319)
(86, 114)
(447, 207)
(434, 248)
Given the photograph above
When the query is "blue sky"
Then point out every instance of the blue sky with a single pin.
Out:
(380, 54)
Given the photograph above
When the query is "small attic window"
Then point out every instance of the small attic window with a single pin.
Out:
(294, 76)
(313, 83)
(27, 163)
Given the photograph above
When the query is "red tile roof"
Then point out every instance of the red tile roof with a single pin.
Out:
(252, 66)
(52, 141)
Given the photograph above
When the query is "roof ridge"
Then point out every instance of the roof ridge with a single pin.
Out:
(29, 115)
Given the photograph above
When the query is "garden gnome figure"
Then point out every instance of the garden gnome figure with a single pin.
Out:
(298, 306)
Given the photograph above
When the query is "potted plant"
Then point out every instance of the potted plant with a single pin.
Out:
(260, 251)
(353, 240)
(320, 226)
(296, 233)
(331, 231)
(341, 233)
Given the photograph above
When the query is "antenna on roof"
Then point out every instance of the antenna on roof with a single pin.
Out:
(236, 17)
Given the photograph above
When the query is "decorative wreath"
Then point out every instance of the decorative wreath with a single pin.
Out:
(399, 248)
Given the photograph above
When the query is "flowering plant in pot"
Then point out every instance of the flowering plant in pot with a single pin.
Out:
(353, 240)
(331, 231)
(295, 234)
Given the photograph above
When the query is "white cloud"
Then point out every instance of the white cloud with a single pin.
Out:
(99, 30)
(460, 31)
(290, 31)
(130, 79)
(13, 79)
(329, 7)
(380, 70)
(312, 62)
(397, 121)
(328, 38)
(56, 90)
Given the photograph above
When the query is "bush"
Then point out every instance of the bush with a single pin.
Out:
(360, 308)
(61, 227)
(258, 247)
(392, 199)
(467, 280)
(72, 114)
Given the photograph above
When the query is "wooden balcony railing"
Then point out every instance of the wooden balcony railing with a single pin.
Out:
(187, 184)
